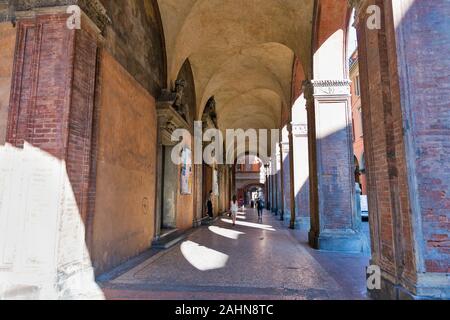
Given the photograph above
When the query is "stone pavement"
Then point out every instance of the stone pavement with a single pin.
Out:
(250, 261)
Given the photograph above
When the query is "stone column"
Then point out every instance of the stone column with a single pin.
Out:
(274, 186)
(198, 199)
(334, 220)
(301, 174)
(280, 196)
(285, 172)
(159, 180)
(49, 133)
(269, 177)
(267, 196)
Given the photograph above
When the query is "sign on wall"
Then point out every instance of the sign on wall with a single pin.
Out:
(186, 171)
(215, 182)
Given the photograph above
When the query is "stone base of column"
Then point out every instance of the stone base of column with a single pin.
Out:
(430, 286)
(341, 241)
(303, 223)
(197, 223)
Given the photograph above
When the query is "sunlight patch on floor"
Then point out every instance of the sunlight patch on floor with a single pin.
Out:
(227, 233)
(203, 258)
(251, 225)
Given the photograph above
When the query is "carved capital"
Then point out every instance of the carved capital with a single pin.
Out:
(289, 127)
(300, 130)
(10, 10)
(95, 11)
(168, 121)
(360, 7)
(308, 90)
(331, 87)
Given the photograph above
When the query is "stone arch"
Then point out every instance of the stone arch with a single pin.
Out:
(189, 95)
(251, 185)
(331, 21)
(257, 153)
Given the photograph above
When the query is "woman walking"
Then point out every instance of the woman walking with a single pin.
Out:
(209, 205)
(234, 209)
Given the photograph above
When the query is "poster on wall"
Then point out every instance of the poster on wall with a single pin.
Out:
(186, 171)
(215, 182)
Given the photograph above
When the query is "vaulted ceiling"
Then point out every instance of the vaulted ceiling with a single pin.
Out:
(241, 52)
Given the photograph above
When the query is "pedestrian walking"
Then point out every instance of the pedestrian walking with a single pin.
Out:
(260, 207)
(234, 207)
(209, 205)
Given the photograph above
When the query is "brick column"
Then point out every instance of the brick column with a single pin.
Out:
(198, 199)
(280, 195)
(274, 185)
(334, 223)
(301, 171)
(285, 173)
(404, 82)
(291, 175)
(50, 126)
(159, 181)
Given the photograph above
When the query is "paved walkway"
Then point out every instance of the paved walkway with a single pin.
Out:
(248, 261)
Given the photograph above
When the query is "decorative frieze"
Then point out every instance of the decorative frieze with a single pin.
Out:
(360, 9)
(10, 10)
(358, 5)
(175, 98)
(300, 130)
(331, 87)
(168, 121)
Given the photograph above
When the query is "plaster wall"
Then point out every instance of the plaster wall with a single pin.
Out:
(124, 209)
(8, 41)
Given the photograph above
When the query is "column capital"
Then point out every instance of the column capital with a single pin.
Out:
(331, 87)
(93, 9)
(359, 6)
(308, 90)
(289, 127)
(300, 129)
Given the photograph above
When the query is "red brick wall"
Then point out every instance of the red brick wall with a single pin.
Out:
(390, 214)
(52, 95)
(424, 62)
(298, 76)
(358, 137)
(81, 117)
(335, 169)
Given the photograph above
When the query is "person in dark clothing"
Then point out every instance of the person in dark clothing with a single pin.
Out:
(260, 207)
(209, 205)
